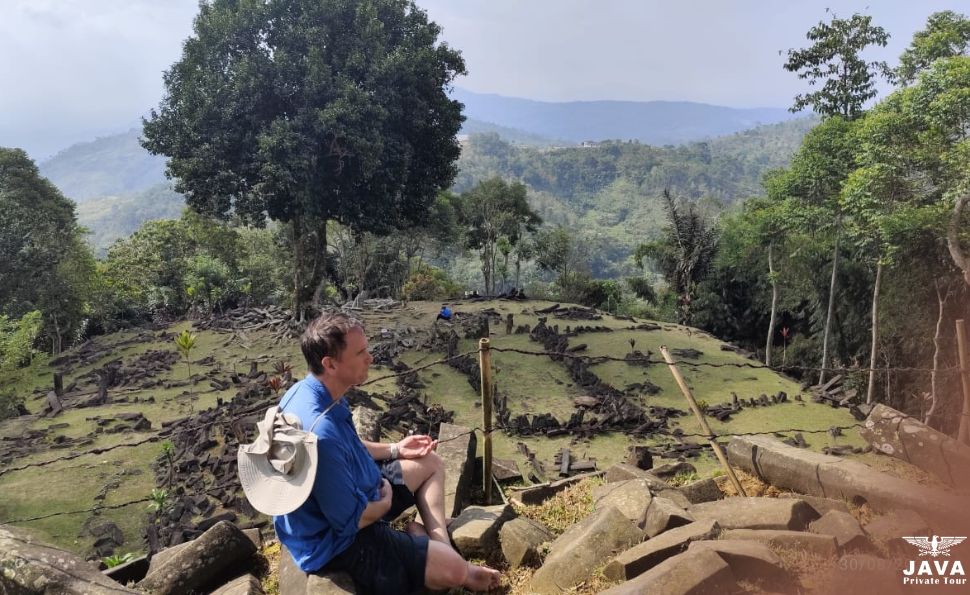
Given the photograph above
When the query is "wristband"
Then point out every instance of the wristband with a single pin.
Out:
(394, 451)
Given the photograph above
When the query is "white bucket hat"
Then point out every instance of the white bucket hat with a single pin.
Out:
(277, 470)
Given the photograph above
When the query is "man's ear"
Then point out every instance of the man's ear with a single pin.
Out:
(328, 364)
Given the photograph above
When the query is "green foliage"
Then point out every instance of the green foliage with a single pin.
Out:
(167, 267)
(597, 293)
(307, 111)
(687, 477)
(947, 34)
(834, 57)
(431, 284)
(185, 341)
(685, 252)
(495, 211)
(44, 265)
(160, 501)
(118, 560)
(559, 251)
(110, 218)
(209, 282)
(642, 288)
(17, 339)
(110, 166)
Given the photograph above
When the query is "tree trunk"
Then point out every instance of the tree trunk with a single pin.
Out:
(56, 339)
(297, 269)
(941, 299)
(320, 277)
(774, 304)
(831, 308)
(870, 393)
(953, 238)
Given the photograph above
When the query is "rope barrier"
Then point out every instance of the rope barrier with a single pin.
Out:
(109, 506)
(165, 433)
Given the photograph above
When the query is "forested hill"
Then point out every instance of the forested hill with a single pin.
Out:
(650, 122)
(612, 190)
(109, 166)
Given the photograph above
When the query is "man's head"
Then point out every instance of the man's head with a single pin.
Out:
(335, 348)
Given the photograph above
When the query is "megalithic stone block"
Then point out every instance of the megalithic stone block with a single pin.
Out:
(456, 447)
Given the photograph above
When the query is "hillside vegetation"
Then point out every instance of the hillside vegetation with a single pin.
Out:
(533, 385)
(612, 189)
(113, 165)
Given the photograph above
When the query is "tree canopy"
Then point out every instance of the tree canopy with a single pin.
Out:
(947, 34)
(834, 57)
(311, 110)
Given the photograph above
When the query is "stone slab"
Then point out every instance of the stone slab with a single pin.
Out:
(575, 554)
(456, 447)
(644, 556)
(822, 545)
(757, 513)
(698, 572)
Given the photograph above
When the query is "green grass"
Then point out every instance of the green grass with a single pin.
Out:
(534, 384)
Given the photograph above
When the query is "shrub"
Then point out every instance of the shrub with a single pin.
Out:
(430, 284)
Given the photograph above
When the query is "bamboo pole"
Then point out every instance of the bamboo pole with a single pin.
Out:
(700, 418)
(964, 434)
(485, 365)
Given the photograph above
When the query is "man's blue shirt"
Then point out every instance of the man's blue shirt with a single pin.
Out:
(347, 479)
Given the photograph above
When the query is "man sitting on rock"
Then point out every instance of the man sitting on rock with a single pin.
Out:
(361, 486)
(444, 313)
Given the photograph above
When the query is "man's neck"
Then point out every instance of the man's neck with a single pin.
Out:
(335, 390)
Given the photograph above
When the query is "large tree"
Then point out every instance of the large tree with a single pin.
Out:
(491, 211)
(44, 264)
(306, 111)
(834, 59)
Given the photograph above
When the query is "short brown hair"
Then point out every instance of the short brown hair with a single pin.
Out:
(326, 336)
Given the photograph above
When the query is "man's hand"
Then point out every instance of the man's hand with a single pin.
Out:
(377, 509)
(415, 447)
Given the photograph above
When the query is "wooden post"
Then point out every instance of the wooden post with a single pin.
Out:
(964, 435)
(700, 418)
(485, 364)
(58, 384)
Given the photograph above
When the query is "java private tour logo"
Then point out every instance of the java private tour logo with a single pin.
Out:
(939, 570)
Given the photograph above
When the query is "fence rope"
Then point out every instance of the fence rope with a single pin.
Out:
(260, 406)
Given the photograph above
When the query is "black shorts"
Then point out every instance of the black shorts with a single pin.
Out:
(382, 560)
(401, 496)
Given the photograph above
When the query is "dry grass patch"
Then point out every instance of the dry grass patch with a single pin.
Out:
(753, 486)
(269, 579)
(564, 509)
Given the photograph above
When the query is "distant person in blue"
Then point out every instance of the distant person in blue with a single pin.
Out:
(445, 313)
(361, 486)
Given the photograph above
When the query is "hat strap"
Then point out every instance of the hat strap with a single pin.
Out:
(319, 417)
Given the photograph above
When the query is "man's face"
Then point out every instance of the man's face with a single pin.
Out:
(350, 368)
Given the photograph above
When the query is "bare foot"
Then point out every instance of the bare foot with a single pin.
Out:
(482, 578)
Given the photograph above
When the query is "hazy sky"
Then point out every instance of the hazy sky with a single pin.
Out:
(71, 70)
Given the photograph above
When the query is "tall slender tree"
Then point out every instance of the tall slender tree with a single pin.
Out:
(835, 58)
(684, 253)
